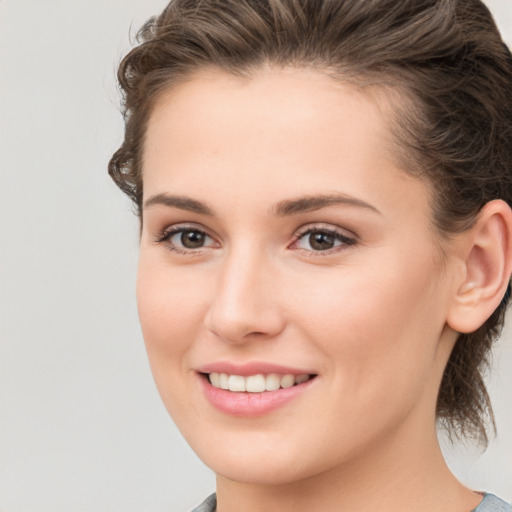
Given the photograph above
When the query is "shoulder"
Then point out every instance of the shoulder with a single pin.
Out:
(492, 503)
(210, 504)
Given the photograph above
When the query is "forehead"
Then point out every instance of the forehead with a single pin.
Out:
(280, 130)
(270, 99)
(213, 109)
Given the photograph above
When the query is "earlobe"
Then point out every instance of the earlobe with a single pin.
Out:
(487, 259)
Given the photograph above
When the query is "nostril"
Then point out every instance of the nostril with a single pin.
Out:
(241, 311)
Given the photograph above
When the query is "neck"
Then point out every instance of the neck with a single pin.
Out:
(404, 474)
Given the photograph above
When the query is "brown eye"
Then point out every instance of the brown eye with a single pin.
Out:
(321, 241)
(182, 240)
(192, 239)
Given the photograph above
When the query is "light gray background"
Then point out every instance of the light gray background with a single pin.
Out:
(82, 426)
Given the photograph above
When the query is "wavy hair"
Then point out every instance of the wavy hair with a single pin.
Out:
(452, 123)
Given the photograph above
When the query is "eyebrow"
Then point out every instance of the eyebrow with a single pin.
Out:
(281, 209)
(181, 202)
(317, 202)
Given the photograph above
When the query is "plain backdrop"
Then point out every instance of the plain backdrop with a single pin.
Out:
(82, 427)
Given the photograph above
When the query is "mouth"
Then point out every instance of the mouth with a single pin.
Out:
(258, 383)
(253, 395)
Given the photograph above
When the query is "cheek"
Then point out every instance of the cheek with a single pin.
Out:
(170, 310)
(378, 325)
(169, 301)
(367, 306)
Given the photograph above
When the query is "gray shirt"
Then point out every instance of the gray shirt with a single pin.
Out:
(490, 503)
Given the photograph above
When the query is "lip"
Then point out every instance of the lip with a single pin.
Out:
(251, 368)
(245, 404)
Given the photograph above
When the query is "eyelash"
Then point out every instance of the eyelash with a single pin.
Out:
(167, 234)
(346, 241)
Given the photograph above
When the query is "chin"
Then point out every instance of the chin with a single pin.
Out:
(261, 472)
(260, 459)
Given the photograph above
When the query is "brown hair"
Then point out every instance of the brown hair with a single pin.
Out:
(446, 55)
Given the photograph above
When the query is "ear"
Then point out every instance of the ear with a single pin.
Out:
(487, 265)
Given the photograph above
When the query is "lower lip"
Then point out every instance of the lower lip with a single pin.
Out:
(251, 404)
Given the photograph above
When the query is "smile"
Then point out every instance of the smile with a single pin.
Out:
(254, 393)
(256, 383)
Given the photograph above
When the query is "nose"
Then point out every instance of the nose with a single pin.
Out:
(244, 306)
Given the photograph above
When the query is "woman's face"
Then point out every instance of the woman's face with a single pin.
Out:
(283, 246)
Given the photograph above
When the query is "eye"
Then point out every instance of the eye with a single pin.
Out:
(318, 239)
(189, 239)
(184, 239)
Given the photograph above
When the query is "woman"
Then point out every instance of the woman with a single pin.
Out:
(324, 191)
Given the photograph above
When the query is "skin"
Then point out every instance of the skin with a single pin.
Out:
(369, 317)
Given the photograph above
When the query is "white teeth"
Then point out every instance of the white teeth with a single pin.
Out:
(272, 382)
(236, 383)
(223, 378)
(287, 381)
(299, 379)
(256, 383)
(215, 379)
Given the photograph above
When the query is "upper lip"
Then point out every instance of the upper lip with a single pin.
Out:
(251, 368)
